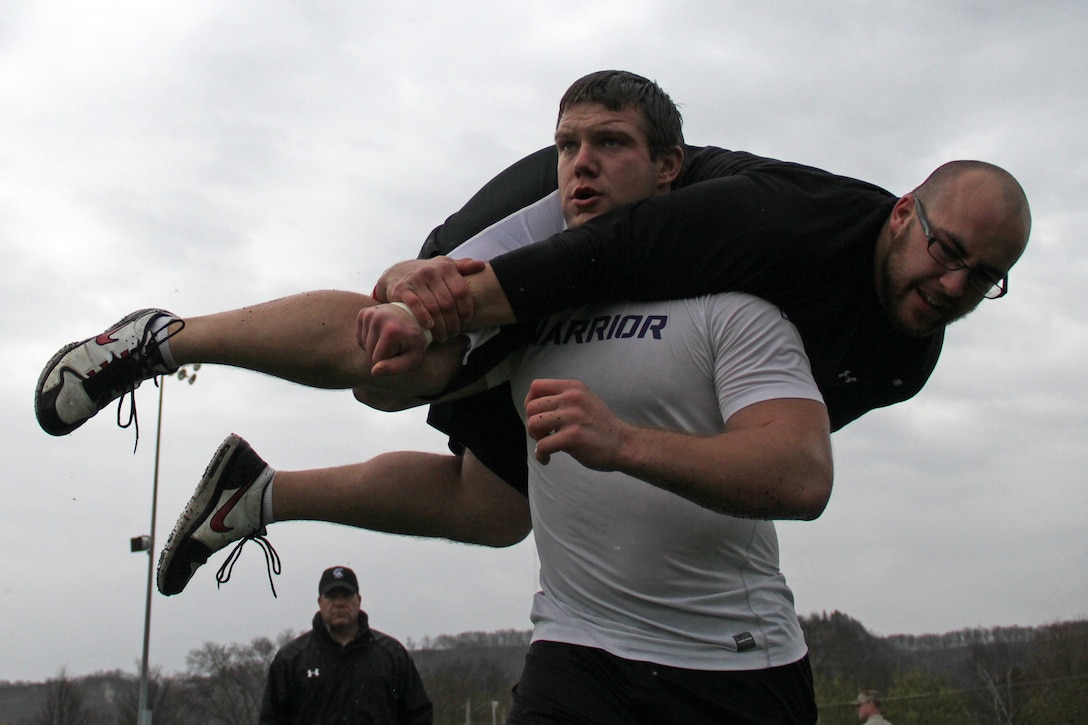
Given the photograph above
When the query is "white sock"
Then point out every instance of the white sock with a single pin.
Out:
(163, 337)
(266, 502)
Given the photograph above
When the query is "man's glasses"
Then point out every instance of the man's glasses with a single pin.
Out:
(981, 281)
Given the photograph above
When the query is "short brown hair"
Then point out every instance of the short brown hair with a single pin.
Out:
(617, 90)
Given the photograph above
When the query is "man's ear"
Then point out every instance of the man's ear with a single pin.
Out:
(901, 213)
(669, 163)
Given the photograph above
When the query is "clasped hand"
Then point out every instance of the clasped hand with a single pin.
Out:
(439, 301)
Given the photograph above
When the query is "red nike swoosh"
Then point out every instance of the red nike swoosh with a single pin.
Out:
(107, 337)
(218, 523)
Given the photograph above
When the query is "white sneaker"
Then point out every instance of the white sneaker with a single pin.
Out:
(85, 377)
(225, 508)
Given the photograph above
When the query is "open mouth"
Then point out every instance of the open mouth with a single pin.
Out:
(932, 302)
(938, 304)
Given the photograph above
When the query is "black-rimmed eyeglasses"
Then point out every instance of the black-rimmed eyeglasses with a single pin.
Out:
(981, 281)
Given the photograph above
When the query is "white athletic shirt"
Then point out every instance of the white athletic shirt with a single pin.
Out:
(628, 567)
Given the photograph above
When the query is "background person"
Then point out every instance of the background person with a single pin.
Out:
(869, 708)
(342, 670)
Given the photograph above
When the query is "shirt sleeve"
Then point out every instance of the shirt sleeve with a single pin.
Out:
(758, 354)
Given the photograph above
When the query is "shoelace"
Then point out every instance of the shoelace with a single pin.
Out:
(271, 559)
(143, 365)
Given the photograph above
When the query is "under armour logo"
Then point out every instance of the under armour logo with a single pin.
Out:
(313, 673)
(846, 377)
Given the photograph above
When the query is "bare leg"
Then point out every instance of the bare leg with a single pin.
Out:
(417, 494)
(308, 338)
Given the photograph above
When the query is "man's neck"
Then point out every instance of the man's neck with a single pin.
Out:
(343, 635)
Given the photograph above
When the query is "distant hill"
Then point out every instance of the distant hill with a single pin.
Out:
(1004, 674)
(103, 692)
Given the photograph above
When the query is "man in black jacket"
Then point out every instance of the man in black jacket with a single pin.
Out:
(342, 671)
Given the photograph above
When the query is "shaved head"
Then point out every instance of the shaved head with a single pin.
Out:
(999, 182)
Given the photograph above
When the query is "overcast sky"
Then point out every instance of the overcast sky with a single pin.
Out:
(204, 155)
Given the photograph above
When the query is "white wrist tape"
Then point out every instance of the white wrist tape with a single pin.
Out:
(426, 333)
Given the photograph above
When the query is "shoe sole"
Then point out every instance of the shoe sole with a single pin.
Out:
(201, 506)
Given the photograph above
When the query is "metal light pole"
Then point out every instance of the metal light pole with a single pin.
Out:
(147, 543)
(143, 714)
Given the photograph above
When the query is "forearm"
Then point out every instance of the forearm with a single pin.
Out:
(491, 307)
(782, 470)
(690, 242)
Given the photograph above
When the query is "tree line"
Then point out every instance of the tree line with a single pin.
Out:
(999, 676)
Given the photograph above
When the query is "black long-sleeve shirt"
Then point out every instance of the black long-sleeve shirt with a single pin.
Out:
(799, 237)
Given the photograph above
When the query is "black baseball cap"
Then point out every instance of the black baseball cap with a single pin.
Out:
(338, 577)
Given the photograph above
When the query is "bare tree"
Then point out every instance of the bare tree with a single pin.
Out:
(65, 704)
(225, 683)
(458, 680)
(162, 699)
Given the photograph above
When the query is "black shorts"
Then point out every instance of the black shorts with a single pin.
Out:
(487, 423)
(564, 683)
